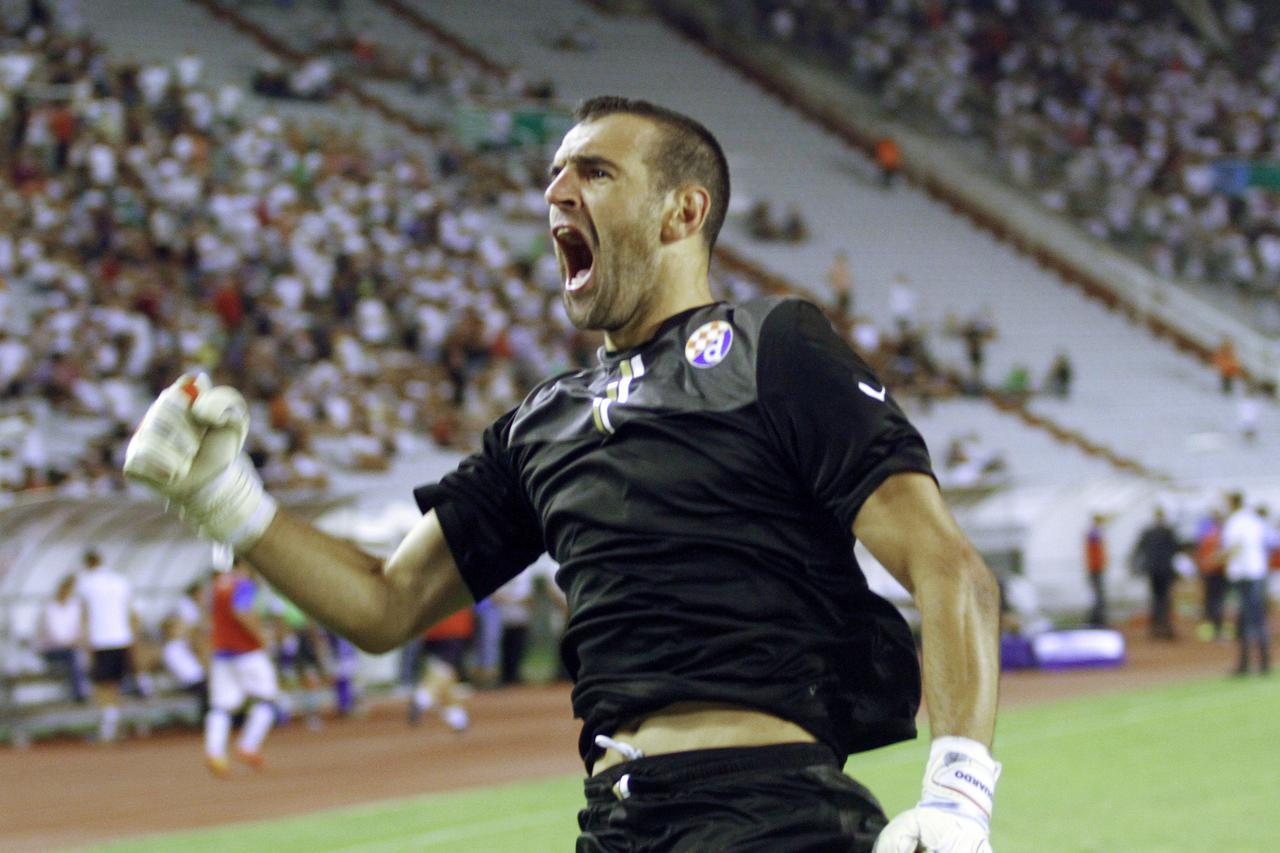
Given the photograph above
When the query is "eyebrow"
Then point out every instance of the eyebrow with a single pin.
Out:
(582, 161)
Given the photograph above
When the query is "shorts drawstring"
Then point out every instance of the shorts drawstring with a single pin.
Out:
(626, 750)
(621, 788)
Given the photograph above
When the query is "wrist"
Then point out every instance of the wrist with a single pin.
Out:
(968, 747)
(961, 777)
(233, 507)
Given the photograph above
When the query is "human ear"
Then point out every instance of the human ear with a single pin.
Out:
(685, 213)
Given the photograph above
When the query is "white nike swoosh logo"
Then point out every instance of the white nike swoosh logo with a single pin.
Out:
(871, 392)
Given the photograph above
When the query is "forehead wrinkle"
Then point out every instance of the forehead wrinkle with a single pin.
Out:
(583, 161)
(633, 136)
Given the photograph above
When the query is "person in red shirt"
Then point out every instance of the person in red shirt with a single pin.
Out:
(1211, 562)
(445, 643)
(1095, 563)
(1227, 363)
(240, 671)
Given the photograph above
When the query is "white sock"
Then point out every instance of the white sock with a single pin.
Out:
(456, 717)
(261, 716)
(217, 729)
(109, 723)
(422, 698)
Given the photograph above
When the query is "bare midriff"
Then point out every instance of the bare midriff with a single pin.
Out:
(685, 726)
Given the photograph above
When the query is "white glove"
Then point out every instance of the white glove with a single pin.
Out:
(954, 812)
(188, 448)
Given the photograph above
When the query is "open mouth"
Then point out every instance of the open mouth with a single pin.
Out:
(579, 260)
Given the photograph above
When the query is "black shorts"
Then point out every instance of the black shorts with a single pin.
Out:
(110, 665)
(450, 650)
(789, 797)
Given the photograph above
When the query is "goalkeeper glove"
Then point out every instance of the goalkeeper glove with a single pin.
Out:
(954, 812)
(189, 449)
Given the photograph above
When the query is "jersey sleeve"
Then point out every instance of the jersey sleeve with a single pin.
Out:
(492, 529)
(830, 415)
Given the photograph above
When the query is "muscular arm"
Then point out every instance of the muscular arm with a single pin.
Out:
(376, 604)
(907, 527)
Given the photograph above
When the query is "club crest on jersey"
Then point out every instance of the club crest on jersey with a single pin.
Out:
(708, 346)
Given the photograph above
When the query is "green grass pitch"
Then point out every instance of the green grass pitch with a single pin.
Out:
(1193, 767)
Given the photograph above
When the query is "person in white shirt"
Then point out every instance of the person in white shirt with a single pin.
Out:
(61, 624)
(1244, 541)
(109, 625)
(183, 662)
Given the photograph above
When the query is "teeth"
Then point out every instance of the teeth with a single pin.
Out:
(578, 281)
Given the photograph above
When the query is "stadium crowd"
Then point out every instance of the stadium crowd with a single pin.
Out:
(1122, 116)
(358, 291)
(154, 223)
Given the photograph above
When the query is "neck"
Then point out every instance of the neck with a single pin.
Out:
(678, 287)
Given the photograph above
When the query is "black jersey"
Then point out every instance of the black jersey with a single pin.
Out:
(699, 492)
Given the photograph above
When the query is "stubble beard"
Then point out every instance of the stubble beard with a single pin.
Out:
(624, 281)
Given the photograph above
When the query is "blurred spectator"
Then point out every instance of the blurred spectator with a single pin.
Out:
(1153, 556)
(183, 663)
(1248, 413)
(794, 228)
(516, 603)
(579, 37)
(300, 657)
(976, 331)
(760, 222)
(1211, 562)
(1245, 540)
(445, 644)
(486, 648)
(888, 157)
(313, 80)
(1060, 375)
(840, 283)
(903, 304)
(110, 625)
(1095, 565)
(1227, 365)
(60, 638)
(1016, 386)
(967, 463)
(344, 661)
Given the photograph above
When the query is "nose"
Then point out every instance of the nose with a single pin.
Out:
(562, 192)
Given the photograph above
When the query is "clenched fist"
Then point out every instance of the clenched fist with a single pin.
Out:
(189, 449)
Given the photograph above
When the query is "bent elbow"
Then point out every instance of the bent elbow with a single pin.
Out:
(981, 582)
(956, 571)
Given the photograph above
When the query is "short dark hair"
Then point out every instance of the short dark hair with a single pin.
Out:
(687, 152)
